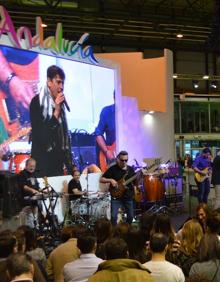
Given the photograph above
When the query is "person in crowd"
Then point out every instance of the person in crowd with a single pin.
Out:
(161, 269)
(118, 267)
(208, 264)
(216, 179)
(188, 161)
(121, 230)
(9, 246)
(162, 224)
(64, 253)
(29, 187)
(121, 194)
(186, 254)
(83, 267)
(103, 232)
(106, 136)
(74, 187)
(202, 169)
(203, 212)
(31, 244)
(213, 223)
(197, 278)
(50, 140)
(136, 245)
(20, 268)
(146, 224)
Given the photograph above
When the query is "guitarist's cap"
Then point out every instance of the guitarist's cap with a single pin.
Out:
(206, 150)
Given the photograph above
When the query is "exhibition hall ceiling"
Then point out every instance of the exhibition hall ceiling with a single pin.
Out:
(128, 24)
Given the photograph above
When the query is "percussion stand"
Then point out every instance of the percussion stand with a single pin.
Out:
(68, 213)
(175, 183)
(157, 208)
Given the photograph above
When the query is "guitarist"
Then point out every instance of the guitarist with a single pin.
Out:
(105, 137)
(115, 176)
(202, 169)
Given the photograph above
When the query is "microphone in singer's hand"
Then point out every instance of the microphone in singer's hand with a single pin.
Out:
(66, 105)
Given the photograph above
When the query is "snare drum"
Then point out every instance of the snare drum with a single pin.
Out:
(79, 207)
(154, 188)
(17, 162)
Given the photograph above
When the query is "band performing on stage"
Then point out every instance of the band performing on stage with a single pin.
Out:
(109, 187)
(110, 161)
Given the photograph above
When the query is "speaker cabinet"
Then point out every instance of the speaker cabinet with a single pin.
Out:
(9, 194)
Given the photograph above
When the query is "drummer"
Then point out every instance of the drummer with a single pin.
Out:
(74, 187)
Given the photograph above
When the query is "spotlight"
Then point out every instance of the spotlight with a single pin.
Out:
(179, 35)
(195, 84)
(213, 84)
(175, 75)
(205, 76)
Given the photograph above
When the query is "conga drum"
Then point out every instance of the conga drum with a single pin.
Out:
(154, 188)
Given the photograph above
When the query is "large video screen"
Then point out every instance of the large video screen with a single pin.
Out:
(88, 90)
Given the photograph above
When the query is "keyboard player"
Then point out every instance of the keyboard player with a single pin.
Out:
(29, 187)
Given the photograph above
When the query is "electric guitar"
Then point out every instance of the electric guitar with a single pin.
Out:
(103, 163)
(118, 191)
(200, 177)
(22, 132)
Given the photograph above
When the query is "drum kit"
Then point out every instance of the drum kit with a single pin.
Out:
(88, 209)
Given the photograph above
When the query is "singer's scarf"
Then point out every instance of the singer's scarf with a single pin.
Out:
(47, 105)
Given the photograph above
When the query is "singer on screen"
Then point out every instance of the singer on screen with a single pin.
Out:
(50, 140)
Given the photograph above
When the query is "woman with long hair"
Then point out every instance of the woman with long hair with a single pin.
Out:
(208, 264)
(203, 212)
(187, 253)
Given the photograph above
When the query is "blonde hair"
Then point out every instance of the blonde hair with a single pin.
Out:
(191, 236)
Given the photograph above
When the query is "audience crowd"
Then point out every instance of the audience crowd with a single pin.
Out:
(150, 251)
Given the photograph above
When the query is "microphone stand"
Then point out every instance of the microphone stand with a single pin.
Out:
(87, 200)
